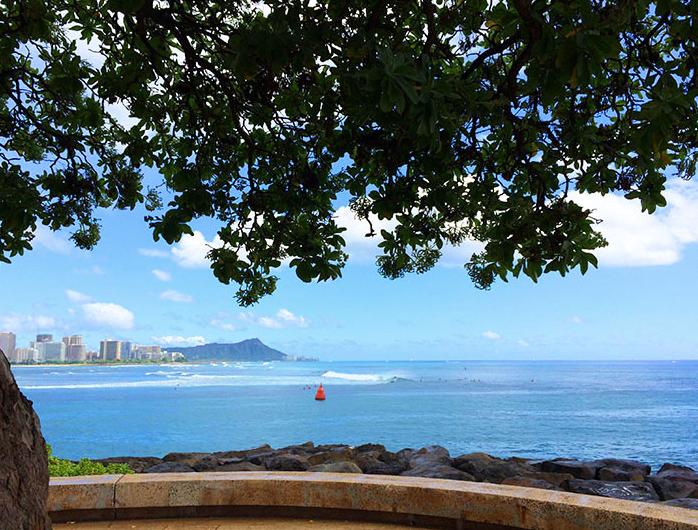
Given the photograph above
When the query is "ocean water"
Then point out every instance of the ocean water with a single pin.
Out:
(641, 410)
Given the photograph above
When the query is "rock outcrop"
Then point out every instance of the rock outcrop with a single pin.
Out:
(23, 459)
(673, 484)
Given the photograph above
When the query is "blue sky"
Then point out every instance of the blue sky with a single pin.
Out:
(639, 305)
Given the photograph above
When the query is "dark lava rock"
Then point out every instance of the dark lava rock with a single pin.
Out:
(556, 479)
(185, 458)
(324, 448)
(244, 454)
(286, 462)
(617, 474)
(431, 455)
(674, 482)
(673, 487)
(528, 482)
(631, 491)
(170, 467)
(23, 460)
(370, 448)
(336, 455)
(240, 466)
(615, 469)
(584, 470)
(372, 465)
(300, 449)
(336, 467)
(691, 504)
(260, 458)
(438, 471)
(138, 463)
(675, 467)
(207, 463)
(486, 468)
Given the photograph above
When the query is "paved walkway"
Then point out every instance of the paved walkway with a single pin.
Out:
(229, 524)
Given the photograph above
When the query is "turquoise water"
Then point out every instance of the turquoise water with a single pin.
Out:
(643, 410)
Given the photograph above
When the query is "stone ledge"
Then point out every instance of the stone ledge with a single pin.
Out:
(459, 502)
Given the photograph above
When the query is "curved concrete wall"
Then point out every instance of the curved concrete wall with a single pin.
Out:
(441, 503)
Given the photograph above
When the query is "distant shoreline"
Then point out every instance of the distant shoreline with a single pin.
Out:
(54, 365)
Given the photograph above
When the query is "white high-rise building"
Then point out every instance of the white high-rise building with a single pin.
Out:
(26, 355)
(49, 351)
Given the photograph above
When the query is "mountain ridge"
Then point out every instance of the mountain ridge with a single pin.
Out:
(250, 350)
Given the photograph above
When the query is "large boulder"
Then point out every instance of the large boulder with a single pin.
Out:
(243, 454)
(556, 479)
(370, 448)
(300, 449)
(336, 467)
(528, 482)
(436, 470)
(138, 463)
(342, 454)
(631, 491)
(429, 456)
(189, 459)
(208, 463)
(675, 482)
(576, 468)
(286, 462)
(240, 466)
(486, 468)
(170, 467)
(23, 460)
(614, 469)
(371, 464)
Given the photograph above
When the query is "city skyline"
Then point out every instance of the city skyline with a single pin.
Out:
(132, 287)
(72, 348)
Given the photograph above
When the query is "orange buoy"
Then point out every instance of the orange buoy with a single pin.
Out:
(320, 394)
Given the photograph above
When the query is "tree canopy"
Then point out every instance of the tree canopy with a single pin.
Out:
(456, 119)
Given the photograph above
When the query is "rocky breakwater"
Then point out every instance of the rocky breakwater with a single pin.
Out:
(672, 484)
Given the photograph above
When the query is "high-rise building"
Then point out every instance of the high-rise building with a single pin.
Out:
(75, 349)
(110, 350)
(26, 355)
(8, 343)
(48, 350)
(152, 353)
(44, 337)
(126, 350)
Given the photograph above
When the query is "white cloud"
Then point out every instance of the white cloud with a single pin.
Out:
(153, 252)
(50, 240)
(175, 340)
(523, 343)
(222, 324)
(640, 239)
(77, 296)
(29, 323)
(358, 246)
(108, 315)
(191, 251)
(175, 296)
(576, 319)
(282, 319)
(491, 335)
(286, 316)
(269, 322)
(163, 276)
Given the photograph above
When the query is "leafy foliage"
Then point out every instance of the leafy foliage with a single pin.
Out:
(65, 468)
(463, 119)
